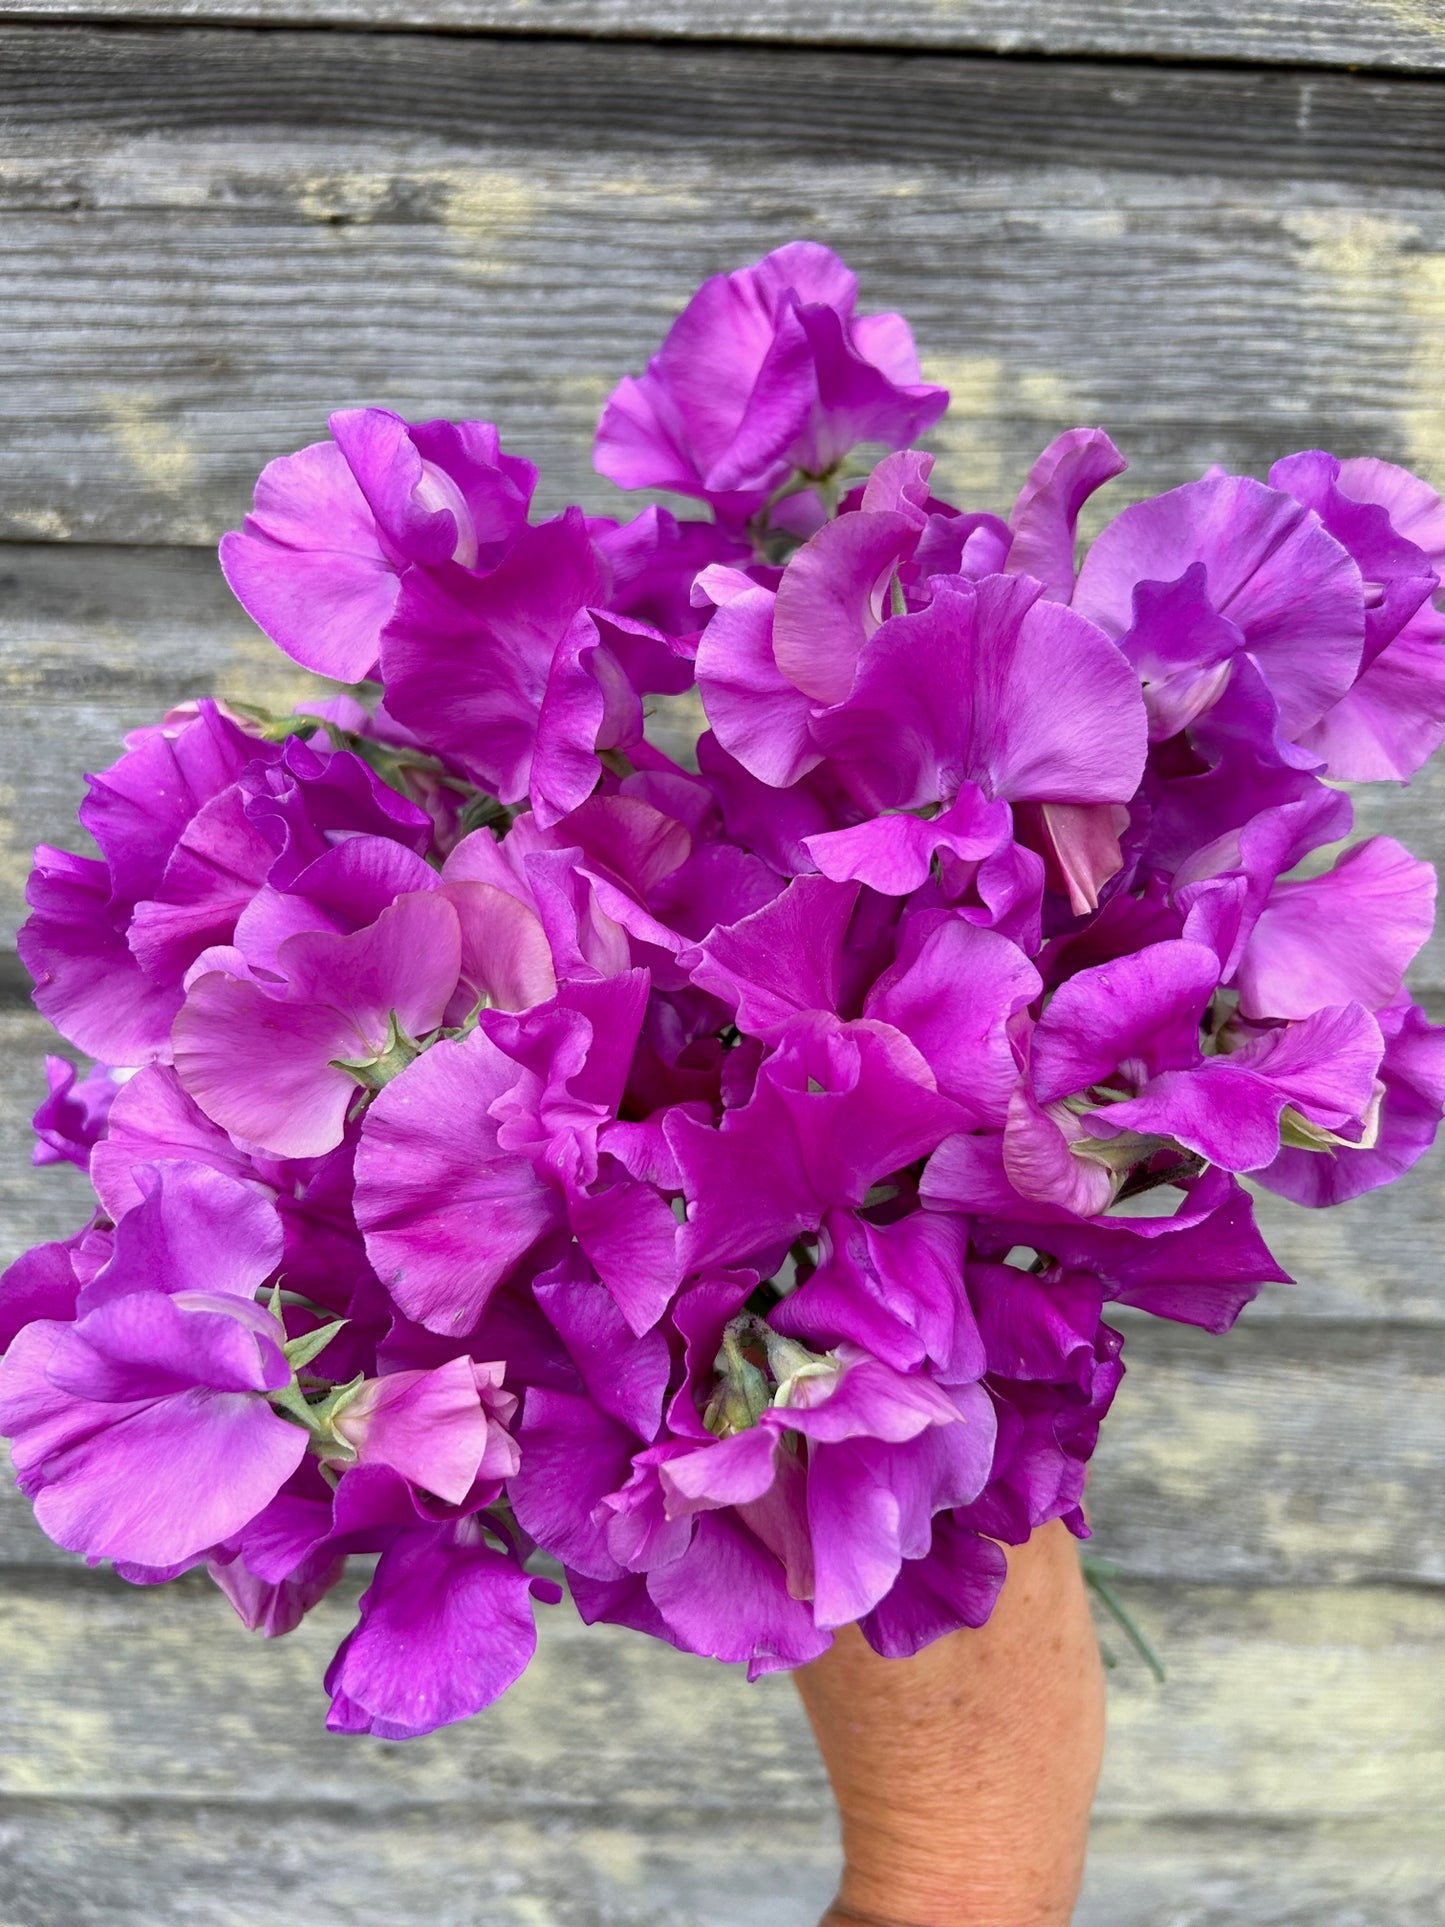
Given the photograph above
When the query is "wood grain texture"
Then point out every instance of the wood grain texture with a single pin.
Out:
(1354, 33)
(159, 1770)
(92, 1866)
(1291, 1707)
(211, 238)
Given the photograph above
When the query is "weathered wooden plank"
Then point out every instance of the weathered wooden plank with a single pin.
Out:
(1238, 1876)
(1349, 33)
(1288, 1706)
(75, 1866)
(214, 237)
(1279, 1453)
(1376, 1257)
(203, 1866)
(654, 100)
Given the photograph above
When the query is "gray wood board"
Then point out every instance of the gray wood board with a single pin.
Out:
(1287, 1706)
(139, 1865)
(1384, 33)
(211, 238)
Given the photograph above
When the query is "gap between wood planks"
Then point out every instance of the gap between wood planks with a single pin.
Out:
(1072, 47)
(617, 27)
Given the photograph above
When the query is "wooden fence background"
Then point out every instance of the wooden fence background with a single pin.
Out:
(1218, 228)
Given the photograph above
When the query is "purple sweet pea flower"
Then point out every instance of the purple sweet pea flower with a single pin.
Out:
(1393, 717)
(767, 370)
(520, 677)
(442, 1429)
(72, 1118)
(1043, 525)
(162, 816)
(585, 1441)
(728, 1597)
(446, 1627)
(955, 1584)
(885, 1451)
(485, 1147)
(268, 1060)
(1046, 1437)
(1412, 1096)
(319, 560)
(653, 561)
(142, 1429)
(309, 800)
(41, 1284)
(1345, 936)
(1199, 1264)
(648, 874)
(941, 1001)
(1229, 1109)
(1224, 569)
(895, 1290)
(274, 1609)
(837, 1107)
(988, 695)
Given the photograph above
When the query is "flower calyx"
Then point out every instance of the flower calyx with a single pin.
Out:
(375, 1073)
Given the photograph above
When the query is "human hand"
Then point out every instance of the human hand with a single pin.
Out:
(964, 1775)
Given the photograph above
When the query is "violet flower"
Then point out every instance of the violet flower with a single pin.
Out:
(767, 370)
(319, 562)
(141, 1429)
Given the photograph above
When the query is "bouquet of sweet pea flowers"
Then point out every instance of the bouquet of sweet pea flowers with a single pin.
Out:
(712, 1170)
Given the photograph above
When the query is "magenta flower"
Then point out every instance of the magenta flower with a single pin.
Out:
(1345, 936)
(1411, 1096)
(174, 844)
(442, 1429)
(836, 1109)
(886, 1451)
(1393, 716)
(1200, 1264)
(487, 1147)
(446, 1627)
(766, 370)
(273, 1061)
(72, 1119)
(1223, 573)
(141, 1430)
(933, 719)
(712, 1175)
(319, 561)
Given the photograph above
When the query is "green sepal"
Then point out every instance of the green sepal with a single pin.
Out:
(272, 728)
(329, 1409)
(290, 1402)
(375, 1073)
(299, 1352)
(1299, 1134)
(742, 1396)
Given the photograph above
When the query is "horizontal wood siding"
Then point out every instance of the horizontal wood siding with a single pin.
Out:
(1401, 34)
